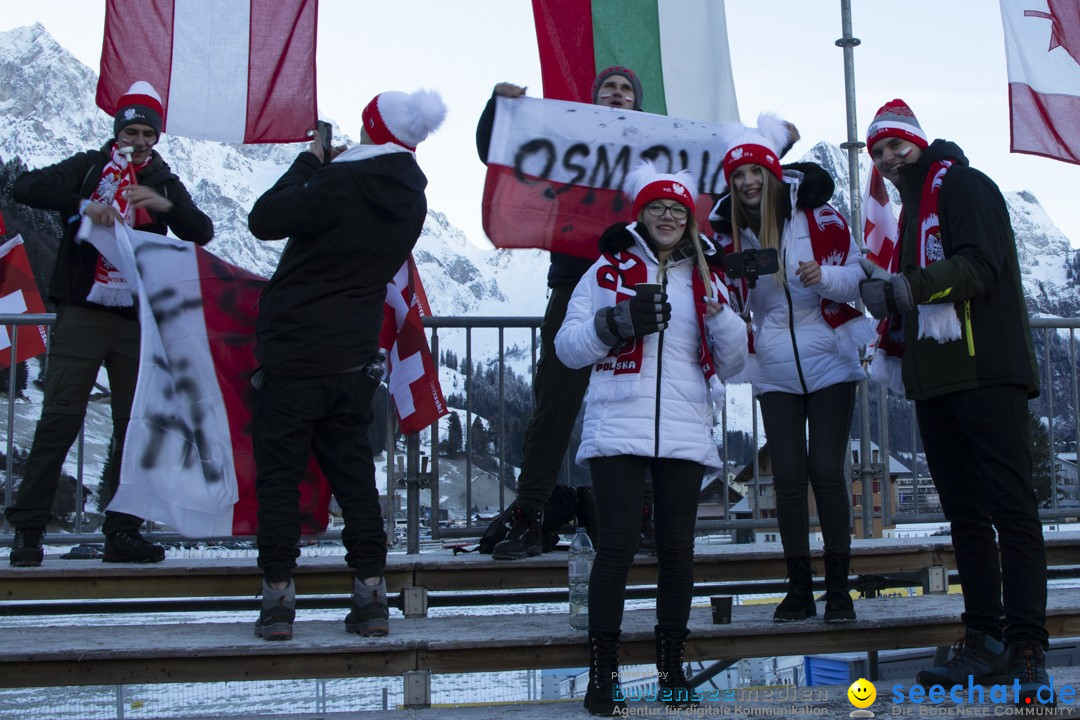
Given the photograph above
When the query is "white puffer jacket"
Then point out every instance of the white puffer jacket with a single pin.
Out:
(797, 351)
(665, 411)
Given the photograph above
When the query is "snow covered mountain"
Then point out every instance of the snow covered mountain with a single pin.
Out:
(47, 112)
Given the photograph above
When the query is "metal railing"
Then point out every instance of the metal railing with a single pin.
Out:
(414, 476)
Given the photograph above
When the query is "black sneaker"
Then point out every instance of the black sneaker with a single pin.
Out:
(1027, 667)
(976, 654)
(525, 537)
(129, 546)
(278, 613)
(370, 615)
(26, 549)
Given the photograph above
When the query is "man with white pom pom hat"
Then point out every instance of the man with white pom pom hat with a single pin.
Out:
(351, 223)
(126, 182)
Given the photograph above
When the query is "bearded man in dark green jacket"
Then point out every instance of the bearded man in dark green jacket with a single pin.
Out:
(969, 365)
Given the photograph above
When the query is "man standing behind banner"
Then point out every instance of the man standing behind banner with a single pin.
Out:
(351, 224)
(126, 181)
(558, 391)
(969, 365)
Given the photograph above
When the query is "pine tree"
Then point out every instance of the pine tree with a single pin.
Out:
(454, 435)
(478, 437)
(20, 379)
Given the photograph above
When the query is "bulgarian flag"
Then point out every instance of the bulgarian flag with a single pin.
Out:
(237, 71)
(677, 48)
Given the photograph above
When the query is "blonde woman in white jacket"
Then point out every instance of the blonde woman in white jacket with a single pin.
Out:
(806, 339)
(658, 355)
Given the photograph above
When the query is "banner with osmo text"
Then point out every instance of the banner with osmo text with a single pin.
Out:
(556, 169)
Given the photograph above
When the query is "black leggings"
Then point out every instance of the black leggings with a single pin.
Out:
(618, 483)
(828, 413)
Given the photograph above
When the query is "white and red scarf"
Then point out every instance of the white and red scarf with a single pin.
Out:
(940, 321)
(619, 273)
(110, 287)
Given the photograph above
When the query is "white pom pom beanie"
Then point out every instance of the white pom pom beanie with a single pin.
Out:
(403, 118)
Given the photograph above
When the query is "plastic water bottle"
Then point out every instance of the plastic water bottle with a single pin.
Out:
(580, 567)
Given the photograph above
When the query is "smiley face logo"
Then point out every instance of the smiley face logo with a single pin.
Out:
(862, 693)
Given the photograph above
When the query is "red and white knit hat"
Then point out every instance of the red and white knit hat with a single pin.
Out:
(403, 118)
(644, 184)
(758, 146)
(895, 119)
(140, 104)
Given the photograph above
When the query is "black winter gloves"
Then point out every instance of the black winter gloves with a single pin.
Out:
(884, 293)
(646, 313)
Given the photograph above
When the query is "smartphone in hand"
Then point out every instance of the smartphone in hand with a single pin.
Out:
(326, 137)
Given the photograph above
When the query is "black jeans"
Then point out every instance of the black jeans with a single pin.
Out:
(557, 395)
(328, 416)
(619, 483)
(979, 454)
(83, 339)
(828, 413)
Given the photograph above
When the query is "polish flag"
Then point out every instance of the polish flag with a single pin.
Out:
(236, 71)
(411, 374)
(19, 295)
(1042, 50)
(677, 48)
(188, 458)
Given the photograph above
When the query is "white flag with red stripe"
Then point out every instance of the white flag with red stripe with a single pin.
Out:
(413, 380)
(237, 71)
(188, 458)
(1042, 52)
(879, 228)
(880, 233)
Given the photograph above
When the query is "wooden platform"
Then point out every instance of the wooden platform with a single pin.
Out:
(199, 651)
(60, 579)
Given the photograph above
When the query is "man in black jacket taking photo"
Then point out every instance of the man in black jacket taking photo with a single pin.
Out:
(96, 321)
(351, 224)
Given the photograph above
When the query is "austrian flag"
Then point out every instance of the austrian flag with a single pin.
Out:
(237, 71)
(412, 378)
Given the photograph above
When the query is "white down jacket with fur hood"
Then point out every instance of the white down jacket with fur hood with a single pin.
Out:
(664, 410)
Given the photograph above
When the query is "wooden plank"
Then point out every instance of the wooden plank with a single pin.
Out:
(192, 652)
(58, 579)
(214, 577)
